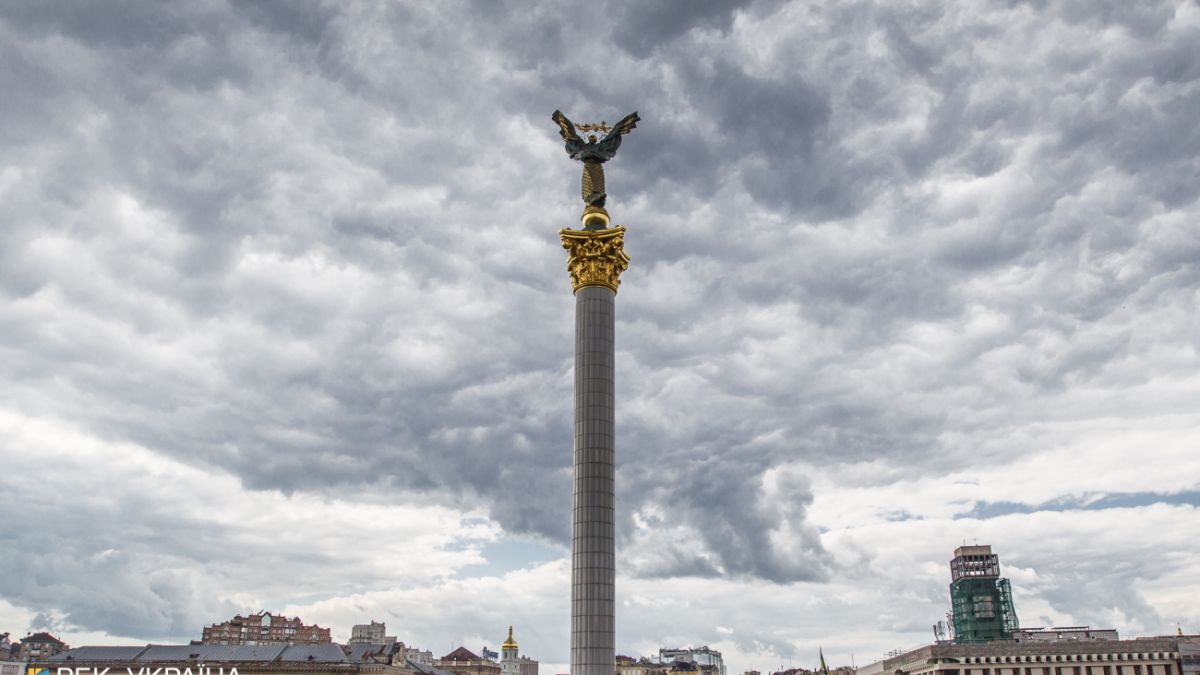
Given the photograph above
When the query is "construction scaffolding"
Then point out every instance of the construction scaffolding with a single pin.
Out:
(981, 601)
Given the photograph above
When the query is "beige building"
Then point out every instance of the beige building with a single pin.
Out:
(374, 633)
(1153, 656)
(423, 657)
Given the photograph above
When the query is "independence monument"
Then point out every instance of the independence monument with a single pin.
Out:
(595, 259)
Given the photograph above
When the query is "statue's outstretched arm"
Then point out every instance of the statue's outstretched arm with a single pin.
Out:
(612, 141)
(566, 128)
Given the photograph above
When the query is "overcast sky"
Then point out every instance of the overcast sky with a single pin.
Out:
(285, 322)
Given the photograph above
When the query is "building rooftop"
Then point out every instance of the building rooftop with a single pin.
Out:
(973, 550)
(323, 653)
(320, 653)
(99, 654)
(426, 669)
(41, 637)
(214, 653)
(358, 651)
(461, 654)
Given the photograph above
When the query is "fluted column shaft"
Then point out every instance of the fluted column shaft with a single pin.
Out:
(592, 542)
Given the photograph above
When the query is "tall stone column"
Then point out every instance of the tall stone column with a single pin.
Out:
(596, 258)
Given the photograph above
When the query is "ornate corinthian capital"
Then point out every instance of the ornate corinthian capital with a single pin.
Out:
(595, 257)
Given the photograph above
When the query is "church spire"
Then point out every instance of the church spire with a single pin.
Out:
(510, 643)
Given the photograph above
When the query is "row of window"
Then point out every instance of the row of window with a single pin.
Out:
(263, 631)
(1068, 657)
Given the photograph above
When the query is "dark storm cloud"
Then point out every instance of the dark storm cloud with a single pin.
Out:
(314, 245)
(639, 27)
(720, 498)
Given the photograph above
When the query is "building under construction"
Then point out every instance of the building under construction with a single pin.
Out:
(981, 600)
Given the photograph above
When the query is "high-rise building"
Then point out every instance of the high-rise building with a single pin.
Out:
(981, 600)
(264, 628)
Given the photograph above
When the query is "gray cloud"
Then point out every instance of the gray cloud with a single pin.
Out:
(313, 245)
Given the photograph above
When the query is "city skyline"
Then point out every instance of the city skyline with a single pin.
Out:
(287, 325)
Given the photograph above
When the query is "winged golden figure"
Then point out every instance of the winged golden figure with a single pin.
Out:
(594, 153)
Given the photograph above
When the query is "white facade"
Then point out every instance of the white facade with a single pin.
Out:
(1064, 633)
(509, 663)
(701, 656)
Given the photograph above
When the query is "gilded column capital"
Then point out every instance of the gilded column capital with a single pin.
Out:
(595, 257)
